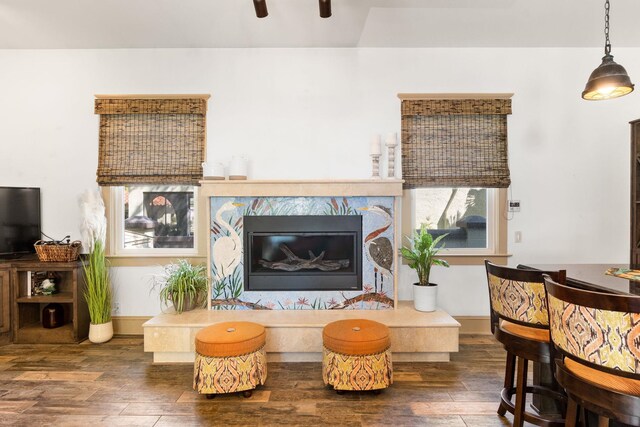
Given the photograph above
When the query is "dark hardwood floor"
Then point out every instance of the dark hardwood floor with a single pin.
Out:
(116, 384)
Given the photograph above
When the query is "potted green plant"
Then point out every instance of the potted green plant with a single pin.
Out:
(96, 269)
(98, 295)
(421, 255)
(183, 285)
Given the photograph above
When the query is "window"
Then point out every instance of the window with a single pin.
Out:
(150, 154)
(455, 169)
(472, 218)
(153, 220)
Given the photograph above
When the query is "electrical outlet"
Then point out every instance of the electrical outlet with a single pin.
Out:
(514, 205)
(116, 307)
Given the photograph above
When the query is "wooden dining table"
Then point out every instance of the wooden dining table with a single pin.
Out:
(592, 277)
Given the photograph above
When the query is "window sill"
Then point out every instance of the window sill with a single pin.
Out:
(151, 260)
(474, 259)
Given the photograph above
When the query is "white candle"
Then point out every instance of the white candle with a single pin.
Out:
(376, 146)
(391, 140)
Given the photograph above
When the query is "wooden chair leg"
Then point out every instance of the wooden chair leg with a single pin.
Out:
(571, 419)
(603, 421)
(509, 373)
(521, 381)
(583, 417)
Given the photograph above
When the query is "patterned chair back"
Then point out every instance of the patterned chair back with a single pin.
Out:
(600, 330)
(518, 295)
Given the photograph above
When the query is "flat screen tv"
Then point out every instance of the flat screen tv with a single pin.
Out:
(19, 220)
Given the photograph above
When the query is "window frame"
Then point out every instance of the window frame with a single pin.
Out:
(119, 256)
(497, 225)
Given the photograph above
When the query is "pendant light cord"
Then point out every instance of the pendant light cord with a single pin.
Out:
(607, 43)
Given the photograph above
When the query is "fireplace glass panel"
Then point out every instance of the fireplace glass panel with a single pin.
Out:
(275, 253)
(295, 253)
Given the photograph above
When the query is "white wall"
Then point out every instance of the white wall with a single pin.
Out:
(309, 113)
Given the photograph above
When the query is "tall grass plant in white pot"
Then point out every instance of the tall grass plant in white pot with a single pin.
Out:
(98, 293)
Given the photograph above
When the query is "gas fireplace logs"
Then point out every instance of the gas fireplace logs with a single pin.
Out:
(295, 263)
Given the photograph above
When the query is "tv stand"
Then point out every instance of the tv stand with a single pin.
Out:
(21, 257)
(21, 312)
(5, 303)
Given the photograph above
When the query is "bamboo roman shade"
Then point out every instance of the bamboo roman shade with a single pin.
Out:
(151, 141)
(455, 143)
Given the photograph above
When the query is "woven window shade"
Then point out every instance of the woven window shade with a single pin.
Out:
(455, 143)
(151, 141)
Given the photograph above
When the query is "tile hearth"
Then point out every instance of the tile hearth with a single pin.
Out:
(296, 335)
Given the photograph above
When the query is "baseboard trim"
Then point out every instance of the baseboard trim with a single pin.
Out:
(129, 325)
(477, 325)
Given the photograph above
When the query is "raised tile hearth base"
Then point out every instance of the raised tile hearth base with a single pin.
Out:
(296, 335)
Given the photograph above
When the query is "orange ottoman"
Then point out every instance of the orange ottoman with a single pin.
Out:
(230, 357)
(357, 355)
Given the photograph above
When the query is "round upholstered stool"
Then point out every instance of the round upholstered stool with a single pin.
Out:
(357, 355)
(230, 357)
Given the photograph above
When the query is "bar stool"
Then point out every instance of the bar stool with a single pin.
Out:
(596, 336)
(230, 358)
(519, 320)
(357, 355)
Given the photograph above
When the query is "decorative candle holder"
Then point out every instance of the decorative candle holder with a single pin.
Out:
(391, 144)
(375, 165)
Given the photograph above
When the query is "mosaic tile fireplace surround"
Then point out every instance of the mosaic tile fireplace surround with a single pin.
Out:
(376, 252)
(354, 268)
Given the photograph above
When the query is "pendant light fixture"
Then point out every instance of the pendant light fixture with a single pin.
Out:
(261, 8)
(325, 8)
(262, 12)
(609, 80)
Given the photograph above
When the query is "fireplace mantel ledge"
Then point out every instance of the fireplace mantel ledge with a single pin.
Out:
(305, 188)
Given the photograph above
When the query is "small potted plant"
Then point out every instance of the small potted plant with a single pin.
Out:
(421, 254)
(182, 284)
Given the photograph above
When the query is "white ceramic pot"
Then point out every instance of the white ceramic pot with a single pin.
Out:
(213, 170)
(238, 168)
(100, 333)
(424, 297)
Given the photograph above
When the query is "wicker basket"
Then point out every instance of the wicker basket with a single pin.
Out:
(57, 252)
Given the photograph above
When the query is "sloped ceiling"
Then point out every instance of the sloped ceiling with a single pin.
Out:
(62, 24)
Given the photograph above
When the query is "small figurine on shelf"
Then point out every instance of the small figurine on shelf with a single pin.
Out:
(48, 287)
(44, 282)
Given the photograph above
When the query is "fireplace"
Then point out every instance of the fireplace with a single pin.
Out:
(297, 253)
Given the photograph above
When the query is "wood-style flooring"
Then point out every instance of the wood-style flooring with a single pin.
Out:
(116, 384)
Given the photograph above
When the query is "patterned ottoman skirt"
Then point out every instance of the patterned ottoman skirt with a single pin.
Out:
(360, 372)
(217, 375)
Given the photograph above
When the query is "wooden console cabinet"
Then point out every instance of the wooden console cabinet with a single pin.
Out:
(26, 309)
(5, 302)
